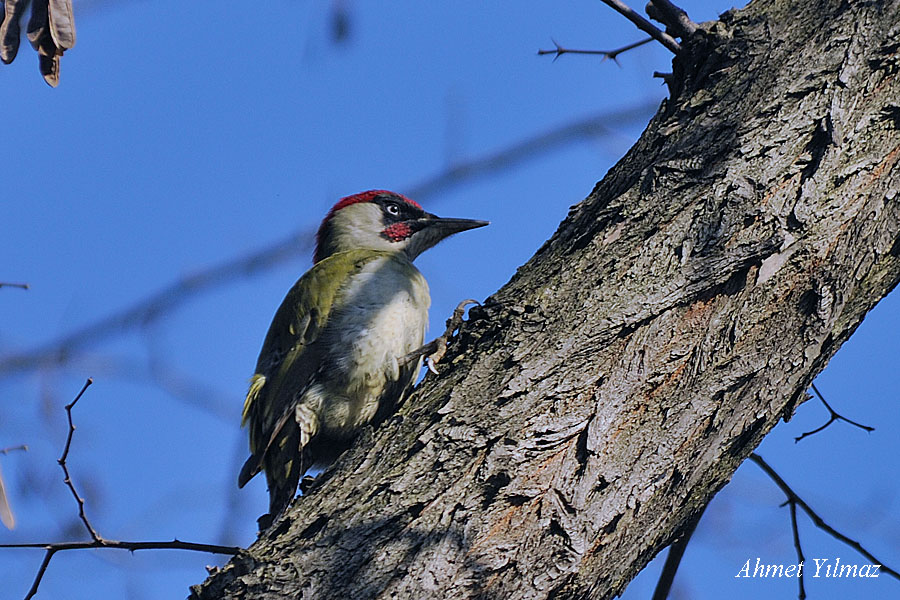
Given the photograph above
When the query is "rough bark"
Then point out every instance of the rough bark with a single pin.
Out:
(600, 398)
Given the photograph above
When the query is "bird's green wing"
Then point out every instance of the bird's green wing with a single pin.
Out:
(289, 357)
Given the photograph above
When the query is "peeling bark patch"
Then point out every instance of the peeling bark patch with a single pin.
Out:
(492, 487)
(581, 449)
(711, 425)
(565, 503)
(891, 114)
(517, 499)
(740, 444)
(886, 165)
(416, 447)
(815, 150)
(887, 63)
(677, 478)
(313, 528)
(280, 530)
(556, 529)
(416, 509)
(611, 526)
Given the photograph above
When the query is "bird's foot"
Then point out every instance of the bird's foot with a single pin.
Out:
(435, 350)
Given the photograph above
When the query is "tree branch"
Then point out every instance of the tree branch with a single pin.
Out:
(96, 540)
(672, 17)
(793, 498)
(53, 548)
(644, 25)
(800, 558)
(156, 305)
(62, 463)
(21, 286)
(673, 558)
(606, 54)
(834, 417)
(596, 401)
(528, 148)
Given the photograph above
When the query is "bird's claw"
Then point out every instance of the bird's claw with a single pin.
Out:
(435, 350)
(429, 362)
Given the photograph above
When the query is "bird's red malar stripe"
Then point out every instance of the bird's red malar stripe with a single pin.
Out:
(397, 232)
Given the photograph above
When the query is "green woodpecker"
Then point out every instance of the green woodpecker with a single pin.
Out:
(333, 359)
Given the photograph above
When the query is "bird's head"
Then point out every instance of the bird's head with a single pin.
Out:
(382, 220)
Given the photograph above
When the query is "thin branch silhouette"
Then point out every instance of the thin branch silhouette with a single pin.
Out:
(674, 556)
(834, 417)
(606, 54)
(530, 147)
(157, 304)
(21, 286)
(800, 558)
(97, 541)
(183, 386)
(794, 500)
(65, 455)
(644, 25)
(672, 17)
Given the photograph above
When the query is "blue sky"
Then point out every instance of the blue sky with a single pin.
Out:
(186, 133)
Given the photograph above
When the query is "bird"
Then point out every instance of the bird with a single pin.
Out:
(341, 352)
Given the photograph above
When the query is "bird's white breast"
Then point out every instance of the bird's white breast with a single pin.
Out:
(382, 317)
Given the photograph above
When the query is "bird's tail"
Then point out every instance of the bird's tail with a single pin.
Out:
(284, 466)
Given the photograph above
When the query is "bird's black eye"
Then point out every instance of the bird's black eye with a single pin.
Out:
(392, 208)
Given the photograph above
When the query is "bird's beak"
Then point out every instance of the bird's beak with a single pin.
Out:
(431, 229)
(449, 226)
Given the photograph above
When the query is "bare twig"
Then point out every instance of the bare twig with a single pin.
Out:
(668, 78)
(21, 286)
(644, 25)
(672, 17)
(606, 54)
(529, 147)
(793, 498)
(23, 447)
(800, 558)
(148, 309)
(834, 417)
(48, 556)
(673, 558)
(181, 385)
(175, 544)
(62, 463)
(96, 540)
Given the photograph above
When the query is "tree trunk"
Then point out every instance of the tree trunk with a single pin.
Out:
(602, 397)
